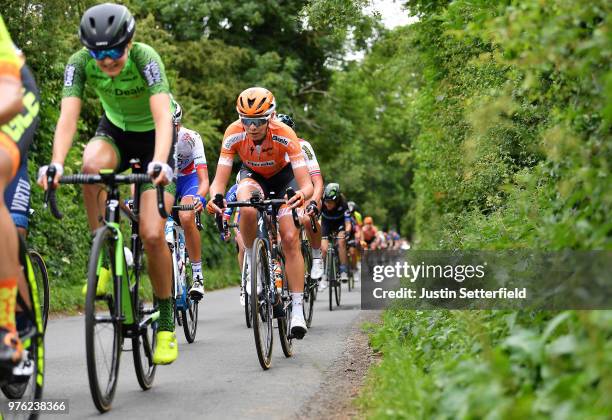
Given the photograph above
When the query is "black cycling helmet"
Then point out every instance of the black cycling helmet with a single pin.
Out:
(286, 119)
(106, 26)
(332, 192)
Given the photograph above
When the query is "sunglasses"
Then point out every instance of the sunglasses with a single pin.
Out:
(113, 53)
(258, 122)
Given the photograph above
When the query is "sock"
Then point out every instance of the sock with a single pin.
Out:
(296, 299)
(8, 294)
(196, 268)
(343, 268)
(316, 253)
(166, 315)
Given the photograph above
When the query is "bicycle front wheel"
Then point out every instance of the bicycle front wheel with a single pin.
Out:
(261, 303)
(331, 276)
(284, 322)
(32, 337)
(42, 282)
(103, 335)
(247, 300)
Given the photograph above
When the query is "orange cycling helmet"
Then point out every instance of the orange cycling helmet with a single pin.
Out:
(368, 221)
(255, 102)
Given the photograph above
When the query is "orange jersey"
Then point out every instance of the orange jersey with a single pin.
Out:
(268, 158)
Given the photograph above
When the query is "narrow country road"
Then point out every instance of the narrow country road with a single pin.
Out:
(216, 377)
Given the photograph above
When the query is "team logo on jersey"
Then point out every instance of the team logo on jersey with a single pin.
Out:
(233, 139)
(69, 75)
(307, 152)
(152, 73)
(282, 140)
(260, 164)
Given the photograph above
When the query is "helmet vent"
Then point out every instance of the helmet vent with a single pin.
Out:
(111, 19)
(251, 102)
(92, 22)
(263, 101)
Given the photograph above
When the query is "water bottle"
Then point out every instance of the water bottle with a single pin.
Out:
(129, 258)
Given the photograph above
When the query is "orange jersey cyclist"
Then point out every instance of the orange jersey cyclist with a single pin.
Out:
(261, 142)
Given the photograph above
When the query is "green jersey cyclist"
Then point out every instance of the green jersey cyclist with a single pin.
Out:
(130, 80)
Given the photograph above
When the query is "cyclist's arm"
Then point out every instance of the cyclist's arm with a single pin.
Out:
(199, 160)
(66, 128)
(160, 109)
(221, 177)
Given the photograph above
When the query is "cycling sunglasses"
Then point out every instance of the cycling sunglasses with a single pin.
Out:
(257, 121)
(113, 53)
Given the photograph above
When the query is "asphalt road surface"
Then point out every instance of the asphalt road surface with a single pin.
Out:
(216, 377)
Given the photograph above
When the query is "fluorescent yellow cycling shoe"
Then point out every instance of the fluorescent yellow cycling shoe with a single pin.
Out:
(166, 349)
(104, 281)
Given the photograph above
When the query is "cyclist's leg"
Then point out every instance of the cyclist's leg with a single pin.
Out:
(17, 199)
(101, 152)
(186, 190)
(10, 346)
(249, 182)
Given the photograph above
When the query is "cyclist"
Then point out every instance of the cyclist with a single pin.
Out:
(261, 143)
(191, 187)
(314, 207)
(335, 217)
(21, 129)
(11, 103)
(369, 234)
(354, 238)
(130, 80)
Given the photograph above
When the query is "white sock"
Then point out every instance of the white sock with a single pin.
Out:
(196, 267)
(296, 299)
(316, 253)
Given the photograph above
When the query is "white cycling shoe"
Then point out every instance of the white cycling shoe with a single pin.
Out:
(317, 268)
(298, 324)
(323, 283)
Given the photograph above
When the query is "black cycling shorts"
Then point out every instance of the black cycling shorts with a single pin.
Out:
(277, 183)
(131, 145)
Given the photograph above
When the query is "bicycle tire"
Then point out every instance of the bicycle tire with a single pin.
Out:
(309, 296)
(337, 282)
(284, 322)
(143, 347)
(261, 304)
(190, 319)
(36, 350)
(42, 280)
(247, 300)
(102, 393)
(330, 275)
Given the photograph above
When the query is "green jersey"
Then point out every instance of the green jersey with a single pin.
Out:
(125, 98)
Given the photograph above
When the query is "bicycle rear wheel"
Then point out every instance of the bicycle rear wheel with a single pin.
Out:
(284, 322)
(330, 275)
(189, 316)
(337, 282)
(309, 296)
(261, 304)
(103, 335)
(143, 345)
(247, 300)
(30, 388)
(42, 282)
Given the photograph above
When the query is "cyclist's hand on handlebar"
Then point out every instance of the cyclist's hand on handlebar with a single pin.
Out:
(42, 175)
(198, 202)
(165, 175)
(297, 200)
(312, 209)
(212, 208)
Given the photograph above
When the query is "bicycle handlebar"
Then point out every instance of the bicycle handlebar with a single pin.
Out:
(108, 179)
(190, 207)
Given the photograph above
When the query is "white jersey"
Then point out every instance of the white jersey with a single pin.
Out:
(309, 157)
(190, 154)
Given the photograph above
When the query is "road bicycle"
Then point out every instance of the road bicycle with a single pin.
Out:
(26, 380)
(114, 308)
(311, 286)
(270, 296)
(185, 308)
(332, 272)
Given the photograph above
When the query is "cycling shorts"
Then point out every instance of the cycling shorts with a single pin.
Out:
(17, 196)
(187, 185)
(329, 226)
(277, 183)
(130, 145)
